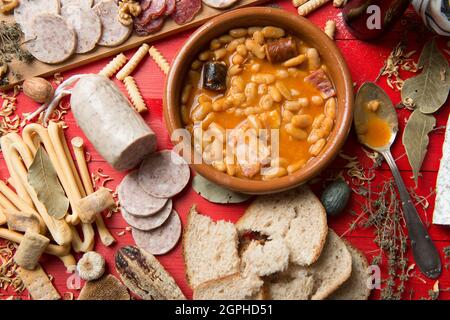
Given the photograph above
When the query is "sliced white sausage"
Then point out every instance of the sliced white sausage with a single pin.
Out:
(81, 3)
(52, 39)
(86, 24)
(114, 32)
(111, 124)
(26, 11)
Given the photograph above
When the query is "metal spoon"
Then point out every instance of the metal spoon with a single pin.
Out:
(424, 250)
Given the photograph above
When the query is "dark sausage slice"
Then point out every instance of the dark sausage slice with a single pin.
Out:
(186, 10)
(152, 27)
(157, 8)
(145, 4)
(215, 76)
(281, 50)
(170, 4)
(320, 80)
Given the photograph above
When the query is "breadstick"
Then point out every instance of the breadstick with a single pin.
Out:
(20, 221)
(74, 193)
(159, 59)
(133, 63)
(2, 218)
(5, 142)
(78, 149)
(11, 201)
(330, 28)
(310, 6)
(134, 94)
(38, 284)
(30, 250)
(94, 204)
(59, 229)
(339, 3)
(114, 65)
(298, 3)
(62, 252)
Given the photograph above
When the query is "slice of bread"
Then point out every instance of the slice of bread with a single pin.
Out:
(232, 287)
(210, 249)
(328, 273)
(266, 258)
(296, 284)
(296, 215)
(355, 288)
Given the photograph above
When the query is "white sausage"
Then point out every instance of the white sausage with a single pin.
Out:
(110, 123)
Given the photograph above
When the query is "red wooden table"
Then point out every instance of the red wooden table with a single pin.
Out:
(365, 61)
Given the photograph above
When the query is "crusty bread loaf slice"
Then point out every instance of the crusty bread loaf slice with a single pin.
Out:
(266, 258)
(333, 267)
(296, 215)
(296, 285)
(328, 273)
(232, 287)
(355, 288)
(210, 249)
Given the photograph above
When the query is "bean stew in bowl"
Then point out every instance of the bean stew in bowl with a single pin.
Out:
(265, 100)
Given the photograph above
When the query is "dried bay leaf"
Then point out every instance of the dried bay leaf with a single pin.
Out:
(429, 90)
(216, 194)
(44, 180)
(415, 139)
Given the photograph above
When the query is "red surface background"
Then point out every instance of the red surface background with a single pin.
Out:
(364, 60)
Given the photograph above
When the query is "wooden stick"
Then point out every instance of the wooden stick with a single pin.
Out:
(78, 149)
(62, 252)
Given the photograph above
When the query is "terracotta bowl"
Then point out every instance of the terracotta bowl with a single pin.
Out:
(301, 27)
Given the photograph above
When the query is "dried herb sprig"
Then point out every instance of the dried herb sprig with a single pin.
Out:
(396, 61)
(11, 47)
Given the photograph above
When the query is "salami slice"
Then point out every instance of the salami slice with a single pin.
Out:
(156, 9)
(81, 3)
(53, 41)
(161, 240)
(86, 24)
(152, 27)
(170, 4)
(150, 222)
(185, 10)
(164, 174)
(145, 4)
(26, 11)
(114, 33)
(135, 200)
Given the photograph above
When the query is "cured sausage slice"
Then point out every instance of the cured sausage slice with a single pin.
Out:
(152, 27)
(161, 240)
(150, 222)
(145, 4)
(53, 41)
(81, 3)
(155, 10)
(135, 200)
(164, 174)
(170, 4)
(26, 11)
(114, 32)
(86, 24)
(185, 10)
